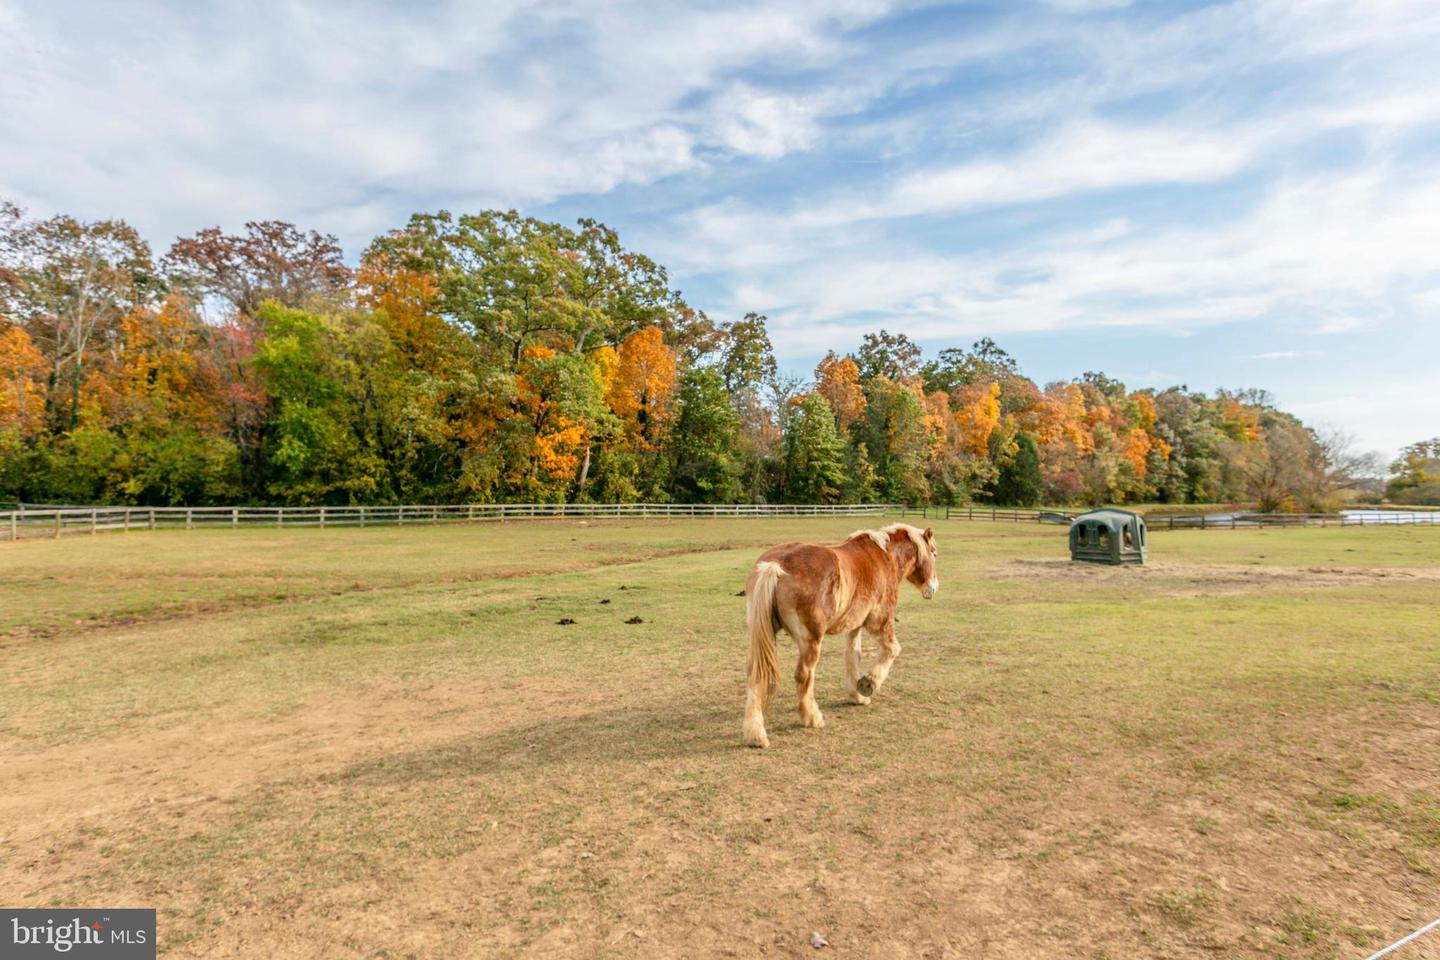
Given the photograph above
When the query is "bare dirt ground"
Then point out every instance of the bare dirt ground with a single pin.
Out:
(404, 757)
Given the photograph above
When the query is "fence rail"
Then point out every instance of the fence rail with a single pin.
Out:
(1229, 521)
(61, 521)
(35, 521)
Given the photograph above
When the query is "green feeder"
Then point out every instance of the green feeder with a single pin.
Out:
(1108, 536)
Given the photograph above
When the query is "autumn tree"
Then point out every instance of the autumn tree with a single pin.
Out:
(837, 379)
(977, 414)
(22, 387)
(405, 301)
(271, 260)
(68, 283)
(639, 382)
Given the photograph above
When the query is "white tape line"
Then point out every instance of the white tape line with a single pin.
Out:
(1404, 940)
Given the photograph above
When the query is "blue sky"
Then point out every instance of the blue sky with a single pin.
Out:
(1214, 194)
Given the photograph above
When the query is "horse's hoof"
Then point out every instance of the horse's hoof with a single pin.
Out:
(816, 721)
(757, 740)
(859, 699)
(866, 686)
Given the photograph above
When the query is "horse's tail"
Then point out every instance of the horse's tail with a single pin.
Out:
(760, 622)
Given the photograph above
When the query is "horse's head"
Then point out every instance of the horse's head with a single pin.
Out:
(925, 574)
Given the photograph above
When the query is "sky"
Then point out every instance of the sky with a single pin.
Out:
(1238, 194)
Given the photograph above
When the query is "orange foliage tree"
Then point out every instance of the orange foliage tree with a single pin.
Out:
(22, 392)
(837, 379)
(642, 389)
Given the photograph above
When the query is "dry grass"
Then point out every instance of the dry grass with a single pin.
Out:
(380, 743)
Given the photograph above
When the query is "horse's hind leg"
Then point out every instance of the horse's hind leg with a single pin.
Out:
(808, 641)
(755, 716)
(852, 667)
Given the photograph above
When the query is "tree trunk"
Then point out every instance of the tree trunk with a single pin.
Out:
(583, 474)
(75, 393)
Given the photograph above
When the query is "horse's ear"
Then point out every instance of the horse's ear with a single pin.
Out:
(929, 535)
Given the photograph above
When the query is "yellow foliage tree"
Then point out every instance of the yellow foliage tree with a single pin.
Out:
(407, 303)
(977, 414)
(837, 379)
(22, 373)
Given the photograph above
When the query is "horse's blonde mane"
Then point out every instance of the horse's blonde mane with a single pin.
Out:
(882, 536)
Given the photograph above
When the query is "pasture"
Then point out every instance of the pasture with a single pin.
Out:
(382, 743)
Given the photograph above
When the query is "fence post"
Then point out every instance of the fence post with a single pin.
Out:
(322, 516)
(14, 528)
(93, 513)
(127, 519)
(152, 518)
(362, 516)
(57, 524)
(280, 517)
(189, 518)
(234, 516)
(992, 513)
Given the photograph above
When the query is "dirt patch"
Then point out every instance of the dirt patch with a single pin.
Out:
(1207, 577)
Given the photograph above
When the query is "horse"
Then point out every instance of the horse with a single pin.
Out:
(811, 590)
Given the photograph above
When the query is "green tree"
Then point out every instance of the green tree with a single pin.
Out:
(706, 468)
(893, 356)
(1020, 482)
(747, 360)
(814, 453)
(954, 368)
(1416, 474)
(893, 431)
(347, 425)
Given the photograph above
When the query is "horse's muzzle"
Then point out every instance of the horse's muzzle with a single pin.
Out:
(930, 588)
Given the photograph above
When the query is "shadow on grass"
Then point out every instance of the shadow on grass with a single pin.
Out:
(619, 736)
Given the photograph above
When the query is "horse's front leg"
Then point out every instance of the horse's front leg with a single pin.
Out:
(852, 667)
(889, 650)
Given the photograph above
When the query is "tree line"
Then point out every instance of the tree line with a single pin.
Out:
(493, 357)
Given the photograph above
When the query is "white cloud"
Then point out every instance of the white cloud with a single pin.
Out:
(763, 125)
(177, 118)
(1389, 413)
(1327, 254)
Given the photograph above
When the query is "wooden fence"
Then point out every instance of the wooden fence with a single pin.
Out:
(55, 521)
(37, 521)
(1158, 521)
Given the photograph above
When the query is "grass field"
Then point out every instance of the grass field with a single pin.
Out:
(381, 743)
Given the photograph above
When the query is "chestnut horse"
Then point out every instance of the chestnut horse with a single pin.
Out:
(810, 590)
